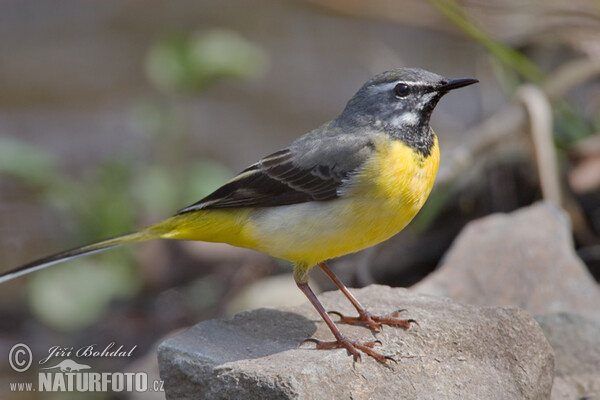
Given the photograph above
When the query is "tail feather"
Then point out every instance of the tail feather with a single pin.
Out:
(77, 252)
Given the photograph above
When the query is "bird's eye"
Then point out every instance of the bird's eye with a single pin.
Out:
(401, 90)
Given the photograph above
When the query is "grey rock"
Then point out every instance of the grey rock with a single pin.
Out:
(576, 343)
(524, 259)
(457, 352)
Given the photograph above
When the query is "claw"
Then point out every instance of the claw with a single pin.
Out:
(413, 321)
(339, 314)
(309, 340)
(391, 359)
(397, 312)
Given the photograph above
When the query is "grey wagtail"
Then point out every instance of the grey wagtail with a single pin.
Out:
(349, 184)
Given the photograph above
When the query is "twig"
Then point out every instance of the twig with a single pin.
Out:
(540, 119)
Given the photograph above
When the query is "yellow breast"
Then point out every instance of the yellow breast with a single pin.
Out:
(390, 192)
(402, 176)
(382, 200)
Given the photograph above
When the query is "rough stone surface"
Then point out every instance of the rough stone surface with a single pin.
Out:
(576, 343)
(525, 259)
(457, 352)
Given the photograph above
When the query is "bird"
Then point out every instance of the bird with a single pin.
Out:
(347, 185)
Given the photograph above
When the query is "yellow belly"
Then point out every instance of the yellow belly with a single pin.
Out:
(372, 211)
(382, 200)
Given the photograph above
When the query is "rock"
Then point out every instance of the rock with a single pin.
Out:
(576, 343)
(457, 352)
(525, 259)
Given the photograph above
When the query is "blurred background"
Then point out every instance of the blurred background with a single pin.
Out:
(113, 115)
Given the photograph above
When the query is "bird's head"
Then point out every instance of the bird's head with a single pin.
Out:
(399, 101)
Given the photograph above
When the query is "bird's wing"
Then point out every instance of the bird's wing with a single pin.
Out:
(311, 169)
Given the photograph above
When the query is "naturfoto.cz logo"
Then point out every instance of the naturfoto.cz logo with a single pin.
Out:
(71, 376)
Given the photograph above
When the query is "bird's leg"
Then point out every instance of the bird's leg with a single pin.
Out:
(364, 317)
(340, 341)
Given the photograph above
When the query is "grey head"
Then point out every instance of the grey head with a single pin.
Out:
(399, 102)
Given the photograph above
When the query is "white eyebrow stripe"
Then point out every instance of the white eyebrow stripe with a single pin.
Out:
(390, 85)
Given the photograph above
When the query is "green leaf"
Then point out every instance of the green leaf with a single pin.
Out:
(75, 295)
(188, 63)
(25, 162)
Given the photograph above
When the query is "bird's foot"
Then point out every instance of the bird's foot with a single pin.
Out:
(353, 347)
(374, 322)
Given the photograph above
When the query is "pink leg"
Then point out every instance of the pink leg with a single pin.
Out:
(364, 317)
(340, 341)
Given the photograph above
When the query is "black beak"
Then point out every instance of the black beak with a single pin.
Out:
(455, 84)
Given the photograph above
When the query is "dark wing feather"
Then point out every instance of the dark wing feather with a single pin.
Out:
(274, 181)
(314, 168)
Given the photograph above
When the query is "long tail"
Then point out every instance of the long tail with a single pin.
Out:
(78, 252)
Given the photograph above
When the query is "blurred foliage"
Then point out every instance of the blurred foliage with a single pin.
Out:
(126, 189)
(510, 57)
(57, 295)
(154, 183)
(61, 297)
(435, 204)
(26, 163)
(570, 126)
(188, 63)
